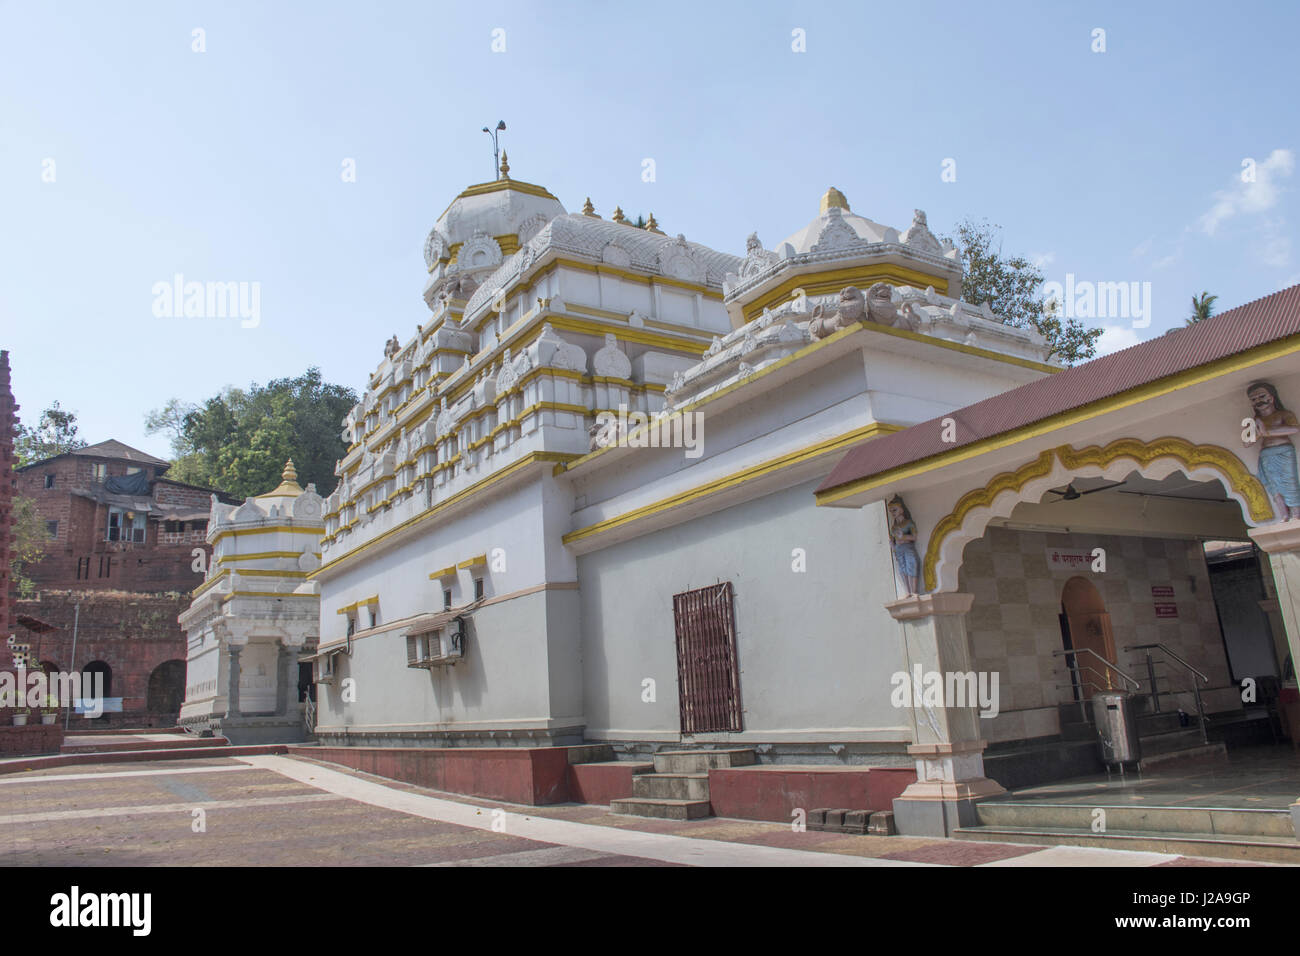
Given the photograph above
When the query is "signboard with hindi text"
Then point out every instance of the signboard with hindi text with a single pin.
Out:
(1069, 559)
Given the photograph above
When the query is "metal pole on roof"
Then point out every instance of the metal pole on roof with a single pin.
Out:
(76, 619)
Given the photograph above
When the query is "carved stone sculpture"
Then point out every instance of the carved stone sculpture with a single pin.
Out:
(852, 309)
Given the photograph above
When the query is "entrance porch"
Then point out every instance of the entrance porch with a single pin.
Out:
(1059, 537)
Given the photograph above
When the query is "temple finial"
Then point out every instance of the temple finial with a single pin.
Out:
(834, 198)
(505, 165)
(588, 209)
(653, 226)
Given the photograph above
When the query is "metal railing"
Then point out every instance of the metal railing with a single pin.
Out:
(309, 715)
(1155, 690)
(1079, 681)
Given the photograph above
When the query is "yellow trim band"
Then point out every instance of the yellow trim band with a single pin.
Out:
(771, 466)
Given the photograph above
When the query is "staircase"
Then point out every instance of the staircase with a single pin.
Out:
(678, 789)
(1261, 835)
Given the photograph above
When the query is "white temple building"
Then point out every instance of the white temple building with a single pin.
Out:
(253, 616)
(580, 508)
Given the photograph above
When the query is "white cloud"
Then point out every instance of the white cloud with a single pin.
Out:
(1042, 260)
(1142, 248)
(1116, 337)
(1248, 197)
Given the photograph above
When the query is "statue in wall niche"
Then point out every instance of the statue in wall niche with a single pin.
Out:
(1274, 426)
(852, 309)
(902, 540)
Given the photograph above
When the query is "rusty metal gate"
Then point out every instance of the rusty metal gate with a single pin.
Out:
(708, 674)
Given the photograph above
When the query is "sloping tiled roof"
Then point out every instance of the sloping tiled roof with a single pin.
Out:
(115, 449)
(1238, 330)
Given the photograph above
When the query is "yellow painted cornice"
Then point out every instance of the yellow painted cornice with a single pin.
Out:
(478, 561)
(771, 466)
(270, 529)
(260, 555)
(530, 459)
(373, 599)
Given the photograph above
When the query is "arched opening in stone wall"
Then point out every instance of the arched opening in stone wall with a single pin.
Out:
(1086, 630)
(166, 688)
(106, 675)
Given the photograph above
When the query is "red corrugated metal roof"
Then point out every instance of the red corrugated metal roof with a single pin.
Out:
(1265, 320)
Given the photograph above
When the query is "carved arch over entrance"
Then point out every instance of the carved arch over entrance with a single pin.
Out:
(1157, 459)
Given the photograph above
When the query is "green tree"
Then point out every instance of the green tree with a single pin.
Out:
(55, 433)
(171, 419)
(238, 441)
(1012, 285)
(28, 544)
(1202, 307)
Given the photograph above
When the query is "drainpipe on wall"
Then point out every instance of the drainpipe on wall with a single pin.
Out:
(72, 662)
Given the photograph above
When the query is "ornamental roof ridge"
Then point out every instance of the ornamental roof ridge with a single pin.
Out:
(855, 250)
(588, 237)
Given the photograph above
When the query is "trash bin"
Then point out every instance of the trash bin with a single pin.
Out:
(1112, 712)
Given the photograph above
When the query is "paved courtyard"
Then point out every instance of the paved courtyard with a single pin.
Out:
(286, 811)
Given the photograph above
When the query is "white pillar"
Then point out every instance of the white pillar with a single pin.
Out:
(947, 744)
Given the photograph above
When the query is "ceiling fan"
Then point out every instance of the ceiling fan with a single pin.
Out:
(1070, 493)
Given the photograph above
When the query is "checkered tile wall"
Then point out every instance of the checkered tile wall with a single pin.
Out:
(1014, 625)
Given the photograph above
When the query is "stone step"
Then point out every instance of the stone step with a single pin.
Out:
(80, 746)
(1161, 723)
(1199, 751)
(675, 786)
(1152, 744)
(663, 808)
(591, 753)
(1260, 849)
(701, 761)
(1079, 817)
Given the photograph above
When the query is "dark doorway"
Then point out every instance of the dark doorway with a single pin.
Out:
(1085, 627)
(99, 667)
(166, 688)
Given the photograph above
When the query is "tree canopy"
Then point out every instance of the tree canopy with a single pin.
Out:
(29, 537)
(55, 433)
(239, 440)
(1012, 285)
(1202, 307)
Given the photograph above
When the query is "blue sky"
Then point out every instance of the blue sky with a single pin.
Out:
(225, 165)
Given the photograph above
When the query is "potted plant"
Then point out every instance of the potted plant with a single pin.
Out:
(20, 717)
(50, 710)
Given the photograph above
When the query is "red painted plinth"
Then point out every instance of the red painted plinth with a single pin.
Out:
(775, 792)
(599, 783)
(526, 775)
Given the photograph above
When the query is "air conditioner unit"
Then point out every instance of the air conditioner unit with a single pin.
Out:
(453, 641)
(325, 669)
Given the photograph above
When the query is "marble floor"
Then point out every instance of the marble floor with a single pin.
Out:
(1260, 777)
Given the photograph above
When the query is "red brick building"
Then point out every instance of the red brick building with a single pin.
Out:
(8, 427)
(125, 548)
